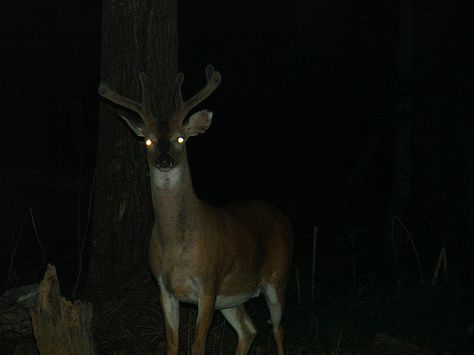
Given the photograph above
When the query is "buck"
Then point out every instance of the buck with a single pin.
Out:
(216, 258)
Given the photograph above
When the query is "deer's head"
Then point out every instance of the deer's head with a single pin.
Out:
(165, 139)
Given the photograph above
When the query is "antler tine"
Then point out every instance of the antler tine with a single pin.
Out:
(213, 80)
(146, 100)
(178, 83)
(143, 109)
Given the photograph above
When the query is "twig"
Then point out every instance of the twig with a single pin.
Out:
(412, 242)
(43, 254)
(222, 337)
(12, 258)
(214, 337)
(189, 331)
(395, 251)
(81, 239)
(313, 267)
(354, 303)
(441, 260)
(13, 254)
(298, 289)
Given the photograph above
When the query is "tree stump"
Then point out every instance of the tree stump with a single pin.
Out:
(59, 326)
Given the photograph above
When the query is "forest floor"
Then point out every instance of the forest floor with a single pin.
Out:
(383, 318)
(377, 317)
(386, 319)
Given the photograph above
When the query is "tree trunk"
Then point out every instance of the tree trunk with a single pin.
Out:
(136, 36)
(61, 327)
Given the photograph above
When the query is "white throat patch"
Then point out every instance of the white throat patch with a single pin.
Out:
(165, 180)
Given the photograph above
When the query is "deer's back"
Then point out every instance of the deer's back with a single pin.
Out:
(269, 225)
(261, 216)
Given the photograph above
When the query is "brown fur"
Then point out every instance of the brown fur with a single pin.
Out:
(213, 257)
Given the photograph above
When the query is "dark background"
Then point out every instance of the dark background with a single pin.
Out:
(304, 118)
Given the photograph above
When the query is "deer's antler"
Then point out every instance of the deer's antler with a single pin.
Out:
(143, 109)
(183, 107)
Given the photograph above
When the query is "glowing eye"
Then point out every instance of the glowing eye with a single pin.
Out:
(148, 142)
(180, 140)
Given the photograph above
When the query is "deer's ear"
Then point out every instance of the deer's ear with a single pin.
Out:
(198, 123)
(136, 124)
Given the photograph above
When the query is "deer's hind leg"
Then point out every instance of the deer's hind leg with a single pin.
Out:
(243, 325)
(275, 299)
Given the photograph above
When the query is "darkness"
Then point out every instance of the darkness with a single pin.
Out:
(306, 117)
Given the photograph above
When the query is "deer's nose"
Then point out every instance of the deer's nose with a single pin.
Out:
(164, 161)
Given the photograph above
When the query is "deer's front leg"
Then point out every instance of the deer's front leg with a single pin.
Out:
(170, 309)
(205, 313)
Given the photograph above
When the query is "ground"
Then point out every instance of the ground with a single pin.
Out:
(373, 316)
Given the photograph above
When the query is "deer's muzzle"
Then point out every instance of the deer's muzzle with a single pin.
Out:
(164, 161)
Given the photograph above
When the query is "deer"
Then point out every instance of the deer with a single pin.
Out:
(215, 258)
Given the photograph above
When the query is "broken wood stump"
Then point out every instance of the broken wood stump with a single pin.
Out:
(60, 326)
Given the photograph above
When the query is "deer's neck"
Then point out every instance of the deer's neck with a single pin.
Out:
(175, 203)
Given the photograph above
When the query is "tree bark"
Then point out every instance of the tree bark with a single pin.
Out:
(136, 36)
